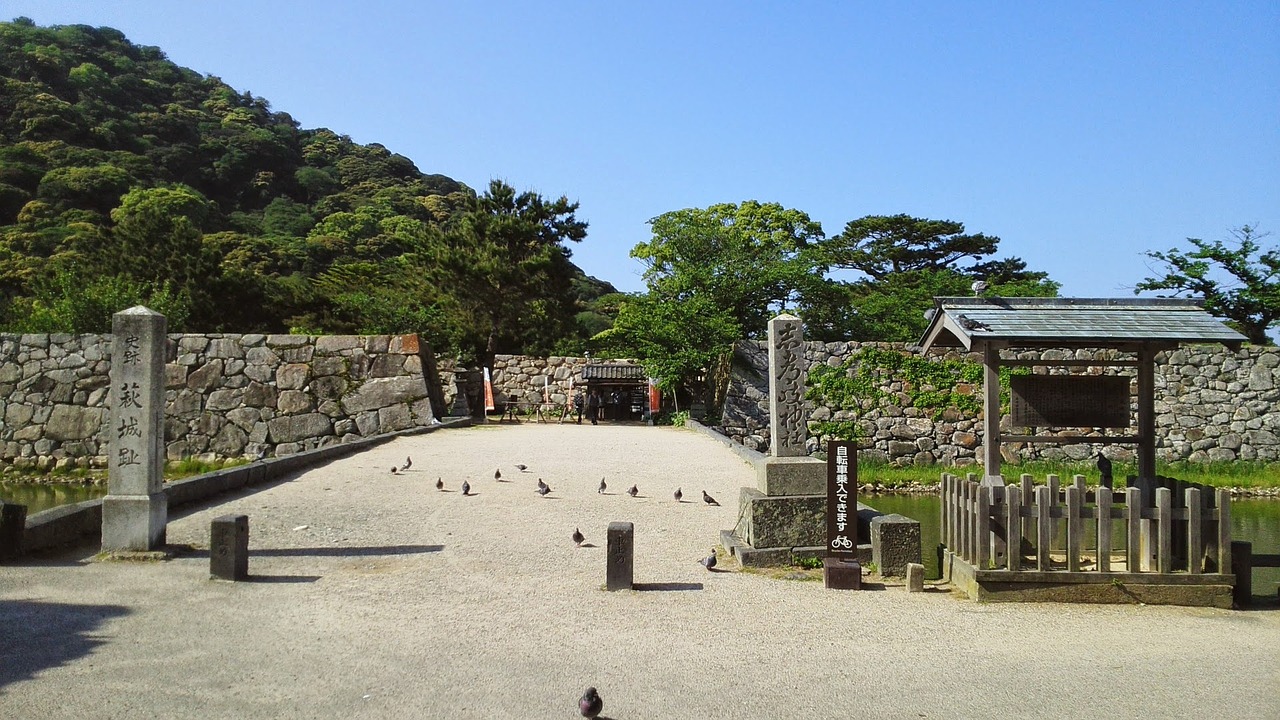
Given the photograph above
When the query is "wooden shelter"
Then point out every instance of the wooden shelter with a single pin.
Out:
(1139, 327)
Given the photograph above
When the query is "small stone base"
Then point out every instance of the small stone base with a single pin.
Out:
(134, 555)
(134, 523)
(791, 476)
(781, 521)
(749, 556)
(841, 574)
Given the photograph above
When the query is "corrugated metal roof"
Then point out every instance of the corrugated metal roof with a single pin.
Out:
(1096, 322)
(614, 372)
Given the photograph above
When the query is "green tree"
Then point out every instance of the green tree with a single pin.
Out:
(1239, 280)
(750, 259)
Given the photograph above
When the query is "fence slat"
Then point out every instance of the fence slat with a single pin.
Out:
(1133, 511)
(1027, 497)
(1044, 528)
(1195, 542)
(973, 523)
(982, 529)
(1074, 496)
(1013, 498)
(942, 511)
(1104, 529)
(1164, 530)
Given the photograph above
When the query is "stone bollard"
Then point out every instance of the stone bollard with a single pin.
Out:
(229, 547)
(13, 522)
(895, 541)
(840, 574)
(619, 575)
(915, 577)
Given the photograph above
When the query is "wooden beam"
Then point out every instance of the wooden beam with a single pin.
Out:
(991, 409)
(1073, 439)
(1070, 363)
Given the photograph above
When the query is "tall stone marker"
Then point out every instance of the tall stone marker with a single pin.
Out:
(788, 470)
(135, 510)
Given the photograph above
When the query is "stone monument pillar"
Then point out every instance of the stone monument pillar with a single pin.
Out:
(788, 470)
(136, 509)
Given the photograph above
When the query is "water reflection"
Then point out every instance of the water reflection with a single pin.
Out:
(42, 497)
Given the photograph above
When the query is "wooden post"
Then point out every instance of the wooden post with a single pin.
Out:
(1013, 496)
(991, 409)
(1133, 513)
(1224, 531)
(1104, 529)
(1074, 496)
(942, 511)
(1044, 528)
(1164, 530)
(983, 527)
(973, 523)
(1027, 497)
(1146, 413)
(1195, 543)
(1054, 494)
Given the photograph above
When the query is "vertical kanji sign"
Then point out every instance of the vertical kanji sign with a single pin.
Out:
(842, 499)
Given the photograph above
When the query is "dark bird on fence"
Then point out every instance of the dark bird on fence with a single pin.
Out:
(578, 537)
(408, 463)
(590, 704)
(708, 499)
(439, 483)
(1104, 467)
(466, 488)
(544, 490)
(521, 467)
(709, 561)
(634, 491)
(497, 474)
(679, 495)
(969, 323)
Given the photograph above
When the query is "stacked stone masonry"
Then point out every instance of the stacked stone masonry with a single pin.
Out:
(526, 377)
(1212, 404)
(226, 395)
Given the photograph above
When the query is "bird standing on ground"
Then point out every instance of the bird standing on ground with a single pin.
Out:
(678, 495)
(602, 486)
(634, 491)
(408, 463)
(466, 488)
(709, 561)
(544, 490)
(708, 499)
(521, 467)
(541, 484)
(439, 483)
(394, 471)
(497, 474)
(578, 537)
(590, 704)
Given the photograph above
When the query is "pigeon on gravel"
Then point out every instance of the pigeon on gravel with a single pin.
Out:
(439, 483)
(497, 474)
(578, 537)
(634, 491)
(466, 488)
(408, 463)
(544, 490)
(602, 486)
(708, 499)
(394, 470)
(678, 495)
(709, 561)
(590, 704)
(541, 484)
(521, 467)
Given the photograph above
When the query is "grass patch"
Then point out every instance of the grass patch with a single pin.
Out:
(190, 467)
(1241, 473)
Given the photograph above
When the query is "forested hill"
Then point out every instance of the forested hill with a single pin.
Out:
(125, 178)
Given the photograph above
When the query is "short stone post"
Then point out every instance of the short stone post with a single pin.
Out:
(1242, 568)
(895, 542)
(915, 577)
(13, 523)
(461, 406)
(135, 510)
(620, 556)
(229, 547)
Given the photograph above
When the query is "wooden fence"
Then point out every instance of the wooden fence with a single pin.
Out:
(1169, 526)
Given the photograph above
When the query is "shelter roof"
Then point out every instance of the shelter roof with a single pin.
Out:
(1072, 322)
(614, 371)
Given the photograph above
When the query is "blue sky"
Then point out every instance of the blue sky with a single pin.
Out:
(1082, 134)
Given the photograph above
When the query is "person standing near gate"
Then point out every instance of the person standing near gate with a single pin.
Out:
(578, 403)
(593, 406)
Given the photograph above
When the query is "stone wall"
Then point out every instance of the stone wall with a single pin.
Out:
(525, 377)
(226, 395)
(1212, 404)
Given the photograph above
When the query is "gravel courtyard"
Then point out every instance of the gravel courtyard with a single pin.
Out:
(376, 596)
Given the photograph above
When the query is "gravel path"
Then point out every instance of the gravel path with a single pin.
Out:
(375, 596)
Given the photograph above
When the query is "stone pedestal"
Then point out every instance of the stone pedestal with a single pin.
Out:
(841, 574)
(786, 521)
(791, 476)
(134, 523)
(895, 543)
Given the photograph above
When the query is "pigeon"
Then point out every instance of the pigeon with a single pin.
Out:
(590, 704)
(678, 495)
(394, 471)
(709, 561)
(708, 499)
(969, 323)
(408, 463)
(521, 467)
(466, 488)
(541, 484)
(439, 483)
(578, 537)
(544, 490)
(602, 486)
(978, 287)
(634, 491)
(497, 474)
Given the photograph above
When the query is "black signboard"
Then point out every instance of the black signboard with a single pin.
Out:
(1069, 401)
(842, 499)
